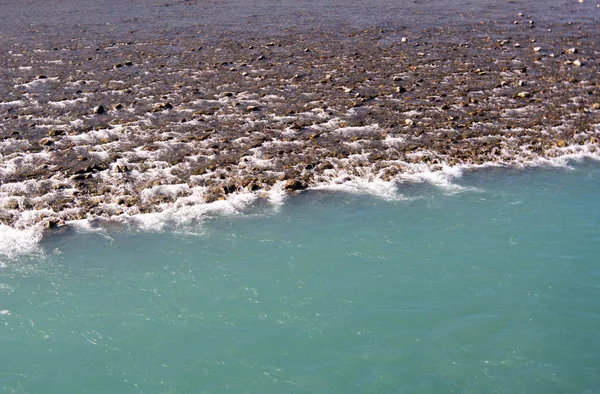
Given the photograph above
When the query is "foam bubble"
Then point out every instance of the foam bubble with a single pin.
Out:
(15, 242)
(382, 189)
(276, 195)
(442, 178)
(566, 156)
(188, 210)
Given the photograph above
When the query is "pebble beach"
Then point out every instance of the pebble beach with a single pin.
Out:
(111, 111)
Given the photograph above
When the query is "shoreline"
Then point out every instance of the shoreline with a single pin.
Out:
(112, 127)
(189, 219)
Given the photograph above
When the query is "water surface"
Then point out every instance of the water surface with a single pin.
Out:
(490, 287)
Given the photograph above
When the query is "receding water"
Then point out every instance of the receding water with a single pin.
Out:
(491, 288)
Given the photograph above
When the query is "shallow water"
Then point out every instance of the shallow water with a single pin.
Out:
(487, 287)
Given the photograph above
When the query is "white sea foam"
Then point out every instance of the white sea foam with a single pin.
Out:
(566, 156)
(14, 103)
(14, 242)
(190, 210)
(442, 178)
(67, 103)
(382, 189)
(276, 195)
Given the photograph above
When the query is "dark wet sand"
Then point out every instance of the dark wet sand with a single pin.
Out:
(104, 106)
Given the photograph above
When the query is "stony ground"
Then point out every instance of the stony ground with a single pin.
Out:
(96, 129)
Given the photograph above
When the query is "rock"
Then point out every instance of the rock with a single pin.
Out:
(54, 133)
(596, 106)
(12, 204)
(120, 168)
(523, 95)
(572, 50)
(162, 107)
(577, 63)
(294, 185)
(46, 141)
(252, 108)
(537, 49)
(80, 177)
(561, 143)
(51, 223)
(99, 110)
(253, 186)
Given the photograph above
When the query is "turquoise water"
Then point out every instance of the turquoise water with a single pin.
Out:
(491, 288)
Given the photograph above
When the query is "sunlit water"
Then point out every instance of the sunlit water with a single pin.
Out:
(492, 287)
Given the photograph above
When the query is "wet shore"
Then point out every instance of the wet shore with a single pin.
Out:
(101, 119)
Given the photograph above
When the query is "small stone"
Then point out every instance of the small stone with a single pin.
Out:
(99, 110)
(12, 204)
(46, 141)
(399, 89)
(120, 168)
(162, 107)
(596, 106)
(252, 108)
(409, 122)
(561, 143)
(41, 77)
(572, 50)
(118, 106)
(523, 94)
(51, 223)
(403, 39)
(293, 185)
(537, 49)
(54, 133)
(577, 63)
(306, 49)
